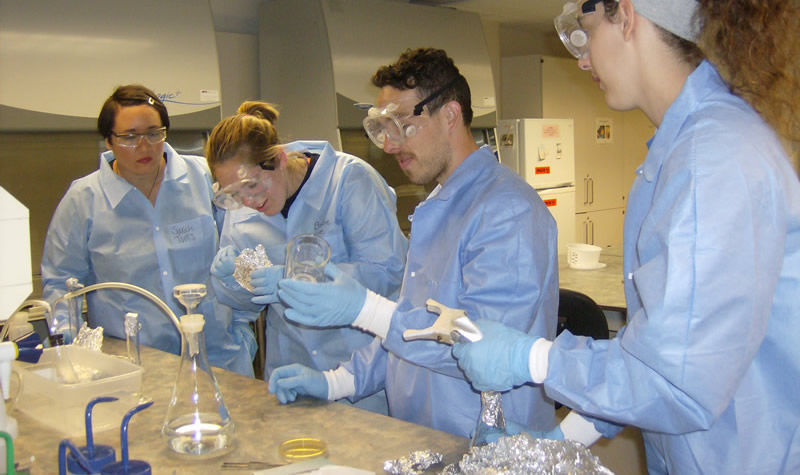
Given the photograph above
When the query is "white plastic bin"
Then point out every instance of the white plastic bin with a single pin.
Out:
(62, 406)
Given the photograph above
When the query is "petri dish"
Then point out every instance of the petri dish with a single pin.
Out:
(303, 448)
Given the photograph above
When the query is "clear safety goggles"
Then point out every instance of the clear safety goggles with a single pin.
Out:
(253, 184)
(153, 137)
(383, 123)
(569, 28)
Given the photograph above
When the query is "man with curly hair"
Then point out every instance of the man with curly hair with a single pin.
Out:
(482, 241)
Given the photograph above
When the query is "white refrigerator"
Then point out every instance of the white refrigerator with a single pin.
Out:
(542, 151)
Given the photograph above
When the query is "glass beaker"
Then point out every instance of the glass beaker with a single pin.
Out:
(197, 424)
(491, 422)
(306, 256)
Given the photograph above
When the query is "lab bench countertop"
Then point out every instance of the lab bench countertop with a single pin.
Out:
(355, 438)
(604, 286)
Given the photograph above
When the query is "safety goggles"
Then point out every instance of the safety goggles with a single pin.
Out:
(253, 184)
(569, 28)
(153, 137)
(383, 123)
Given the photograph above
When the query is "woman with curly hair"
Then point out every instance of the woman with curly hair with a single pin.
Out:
(708, 365)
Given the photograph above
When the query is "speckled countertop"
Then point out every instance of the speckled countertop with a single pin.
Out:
(604, 286)
(355, 437)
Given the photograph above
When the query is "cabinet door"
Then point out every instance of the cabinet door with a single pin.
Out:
(601, 228)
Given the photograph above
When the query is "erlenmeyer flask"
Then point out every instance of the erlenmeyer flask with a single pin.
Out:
(491, 422)
(197, 423)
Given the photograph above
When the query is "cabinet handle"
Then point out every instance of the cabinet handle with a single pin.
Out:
(591, 187)
(591, 227)
(585, 190)
(586, 232)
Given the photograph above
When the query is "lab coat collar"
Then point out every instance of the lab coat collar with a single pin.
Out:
(701, 82)
(115, 187)
(322, 173)
(465, 174)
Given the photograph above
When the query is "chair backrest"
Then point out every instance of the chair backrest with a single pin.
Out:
(580, 315)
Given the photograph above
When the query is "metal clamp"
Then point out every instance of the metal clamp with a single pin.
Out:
(452, 326)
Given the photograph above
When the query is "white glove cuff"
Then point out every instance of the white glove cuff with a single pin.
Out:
(576, 428)
(376, 315)
(537, 360)
(341, 383)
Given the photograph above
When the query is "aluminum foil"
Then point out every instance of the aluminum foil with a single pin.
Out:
(246, 262)
(522, 454)
(413, 464)
(491, 423)
(89, 338)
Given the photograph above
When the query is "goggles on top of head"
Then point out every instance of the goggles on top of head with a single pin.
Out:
(383, 123)
(569, 28)
(252, 183)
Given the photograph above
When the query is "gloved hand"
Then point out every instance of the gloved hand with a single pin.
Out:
(512, 428)
(288, 381)
(265, 284)
(498, 361)
(224, 265)
(327, 304)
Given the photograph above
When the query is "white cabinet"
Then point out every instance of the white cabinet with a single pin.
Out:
(601, 228)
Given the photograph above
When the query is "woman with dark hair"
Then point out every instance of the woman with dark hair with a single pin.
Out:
(144, 218)
(708, 365)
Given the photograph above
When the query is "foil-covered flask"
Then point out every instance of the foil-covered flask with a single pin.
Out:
(491, 423)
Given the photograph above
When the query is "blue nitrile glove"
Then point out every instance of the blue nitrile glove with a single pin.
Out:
(264, 281)
(327, 304)
(288, 381)
(512, 428)
(499, 360)
(224, 265)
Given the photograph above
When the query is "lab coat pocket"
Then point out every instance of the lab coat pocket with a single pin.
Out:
(192, 244)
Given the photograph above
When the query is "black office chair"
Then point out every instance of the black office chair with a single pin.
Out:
(579, 314)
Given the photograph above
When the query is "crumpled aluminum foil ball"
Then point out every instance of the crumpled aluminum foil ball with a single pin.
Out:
(89, 338)
(246, 262)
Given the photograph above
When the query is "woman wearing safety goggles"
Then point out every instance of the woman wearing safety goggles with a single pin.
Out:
(144, 217)
(274, 192)
(708, 365)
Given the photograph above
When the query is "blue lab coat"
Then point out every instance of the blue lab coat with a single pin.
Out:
(350, 205)
(486, 243)
(105, 230)
(708, 365)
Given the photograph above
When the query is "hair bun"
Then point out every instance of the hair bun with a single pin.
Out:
(262, 110)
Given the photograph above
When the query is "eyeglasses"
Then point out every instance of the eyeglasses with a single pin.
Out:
(569, 28)
(383, 123)
(252, 183)
(153, 137)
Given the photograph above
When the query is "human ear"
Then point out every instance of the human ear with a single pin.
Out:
(626, 18)
(452, 111)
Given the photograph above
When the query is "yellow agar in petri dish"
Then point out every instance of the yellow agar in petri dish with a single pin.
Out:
(304, 448)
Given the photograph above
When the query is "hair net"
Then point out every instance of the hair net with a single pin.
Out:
(676, 16)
